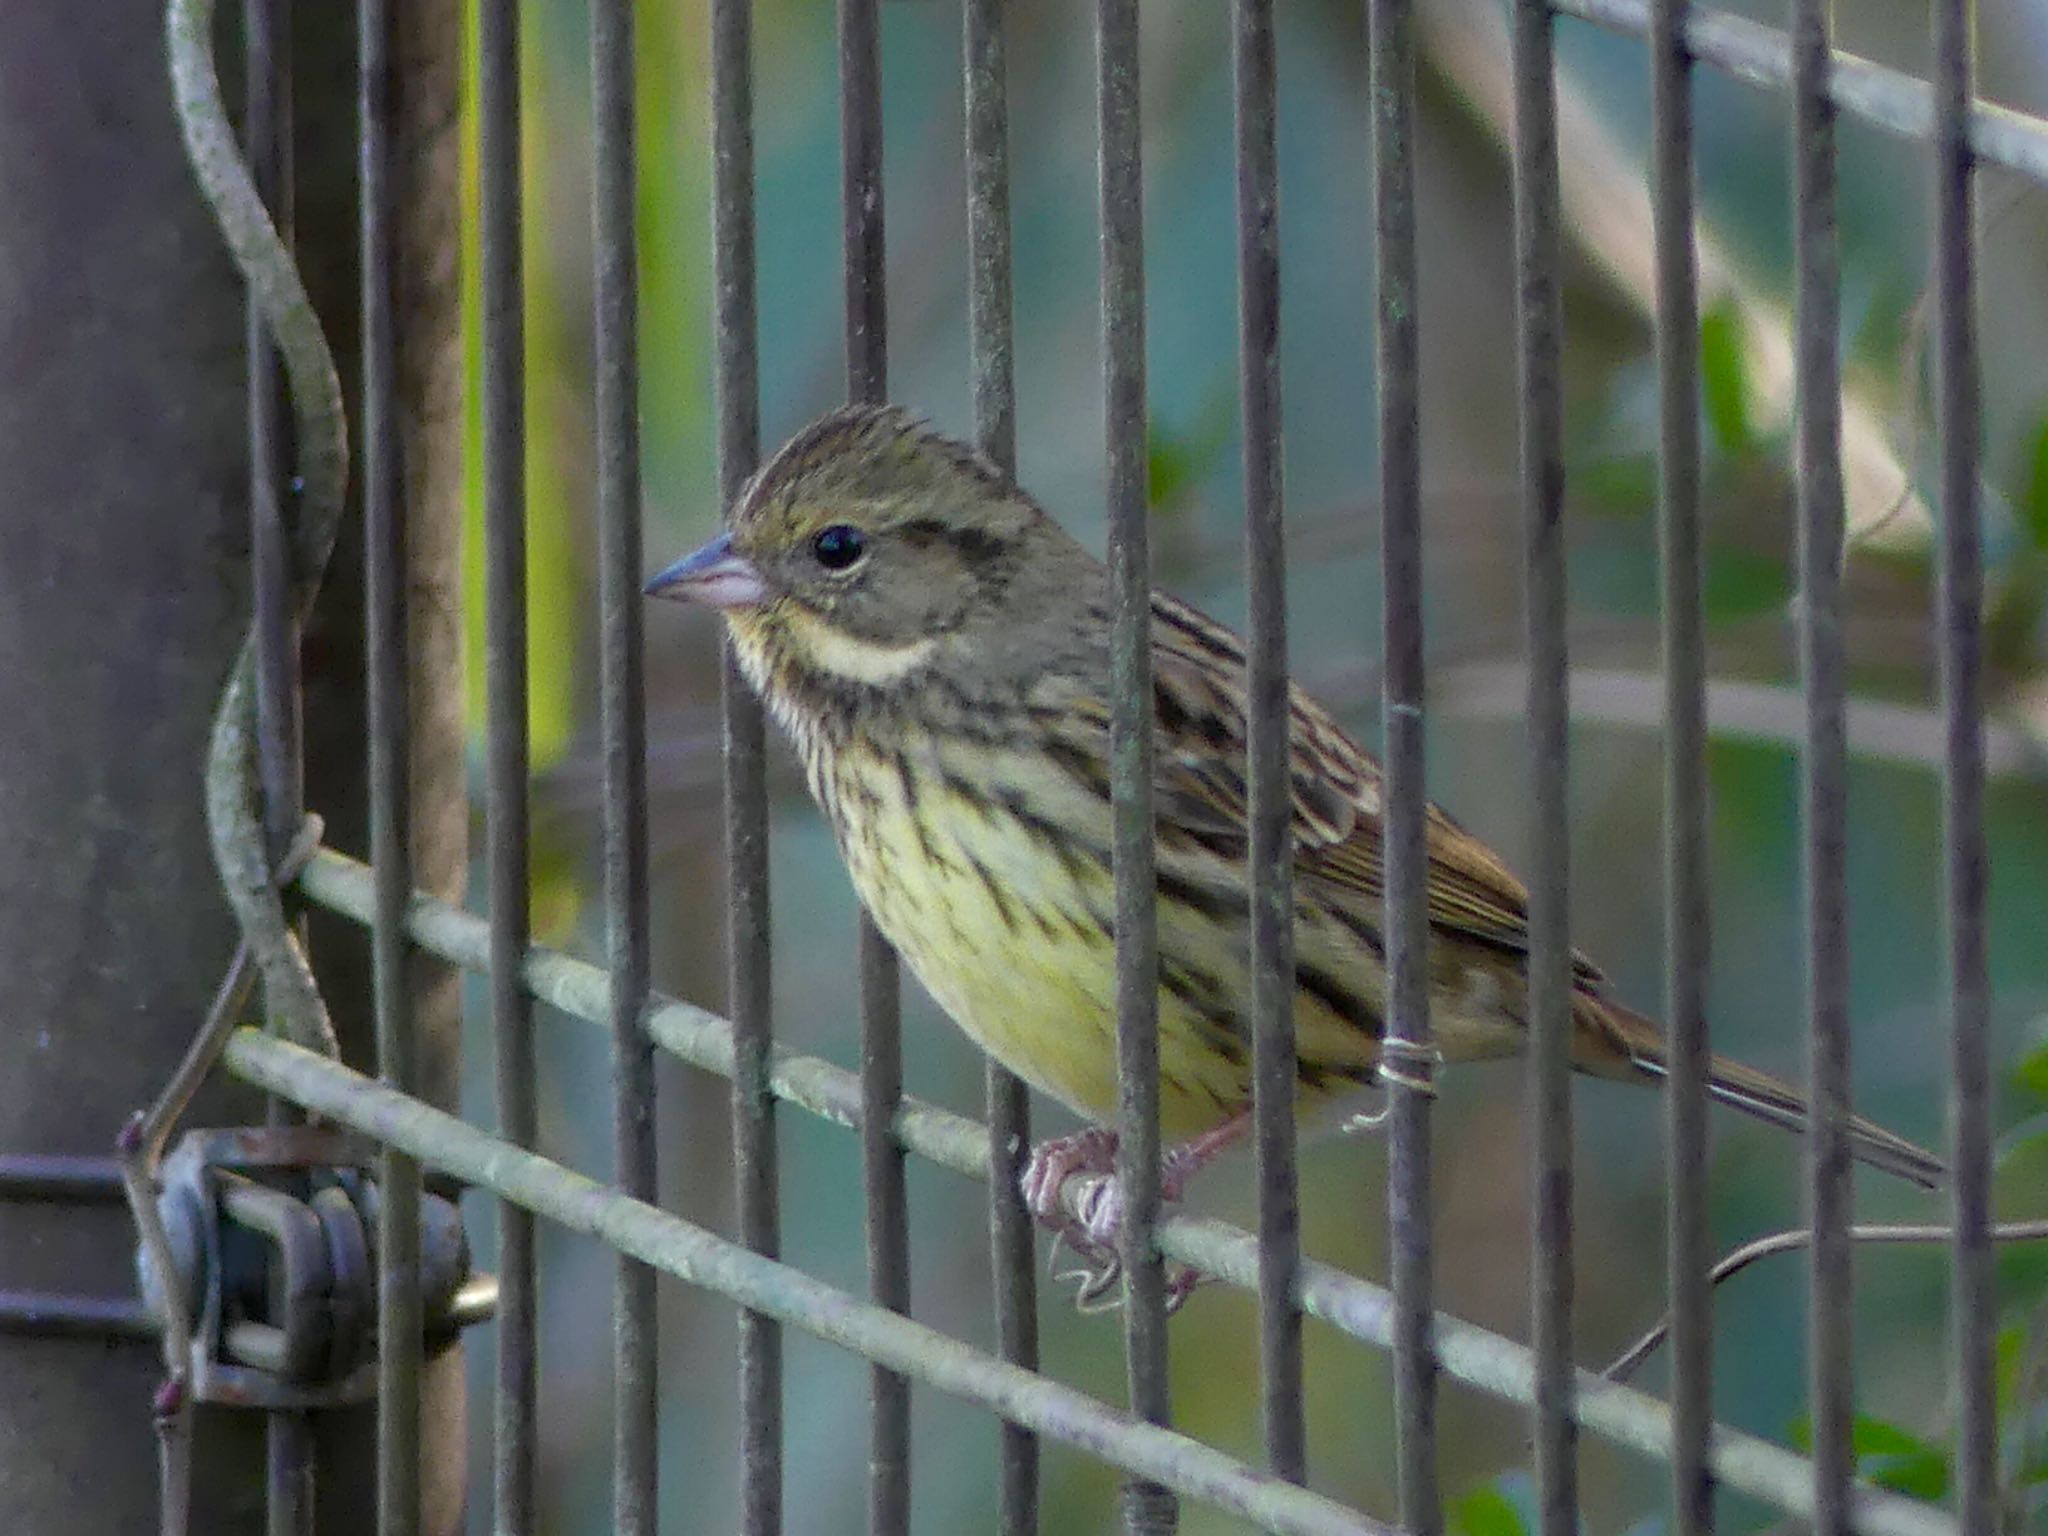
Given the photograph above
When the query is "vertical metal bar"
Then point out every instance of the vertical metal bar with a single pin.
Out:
(1407, 1059)
(288, 1439)
(1271, 788)
(881, 1050)
(289, 1465)
(990, 338)
(881, 1080)
(268, 128)
(749, 971)
(1148, 1508)
(1817, 301)
(1540, 323)
(506, 764)
(860, 185)
(1687, 931)
(384, 540)
(1966, 857)
(635, 1343)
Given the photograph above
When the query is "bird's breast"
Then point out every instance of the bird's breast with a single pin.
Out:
(992, 878)
(995, 898)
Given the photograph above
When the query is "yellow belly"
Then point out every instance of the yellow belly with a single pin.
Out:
(1011, 940)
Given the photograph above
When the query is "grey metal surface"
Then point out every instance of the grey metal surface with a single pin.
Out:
(267, 132)
(1148, 1508)
(1687, 918)
(1255, 87)
(635, 1346)
(508, 832)
(385, 535)
(1406, 1046)
(1823, 759)
(749, 969)
(991, 336)
(1966, 857)
(1540, 388)
(881, 1003)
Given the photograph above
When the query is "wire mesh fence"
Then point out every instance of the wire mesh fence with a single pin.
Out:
(1563, 1401)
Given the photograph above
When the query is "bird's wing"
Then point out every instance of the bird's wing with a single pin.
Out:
(1338, 800)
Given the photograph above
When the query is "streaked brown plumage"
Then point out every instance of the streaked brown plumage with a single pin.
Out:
(938, 650)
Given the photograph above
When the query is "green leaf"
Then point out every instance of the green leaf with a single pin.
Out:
(2032, 1072)
(1623, 483)
(1488, 1512)
(1918, 1474)
(2008, 1351)
(1724, 381)
(2020, 1180)
(1889, 1457)
(2033, 507)
(1179, 458)
(1740, 583)
(1169, 470)
(1879, 1437)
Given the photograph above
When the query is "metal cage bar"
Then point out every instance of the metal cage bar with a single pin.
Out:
(267, 131)
(267, 119)
(1965, 854)
(1255, 86)
(991, 337)
(1407, 1062)
(881, 985)
(385, 605)
(1352, 1306)
(508, 830)
(636, 1401)
(1885, 98)
(1149, 1509)
(1962, 131)
(1687, 936)
(1823, 760)
(1539, 357)
(749, 973)
(698, 1257)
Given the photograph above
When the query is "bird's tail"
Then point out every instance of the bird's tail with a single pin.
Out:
(1772, 1099)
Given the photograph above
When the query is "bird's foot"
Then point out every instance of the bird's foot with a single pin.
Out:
(1094, 1231)
(1053, 1162)
(1097, 1274)
(1094, 1273)
(1102, 1204)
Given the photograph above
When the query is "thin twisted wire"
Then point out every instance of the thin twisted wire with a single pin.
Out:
(233, 796)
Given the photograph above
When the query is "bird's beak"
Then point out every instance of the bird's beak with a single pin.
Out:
(717, 576)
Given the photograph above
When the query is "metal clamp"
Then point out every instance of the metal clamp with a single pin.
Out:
(272, 1236)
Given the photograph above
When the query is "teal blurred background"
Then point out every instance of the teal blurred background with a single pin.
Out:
(1475, 742)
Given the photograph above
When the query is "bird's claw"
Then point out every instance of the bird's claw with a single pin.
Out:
(1099, 1266)
(1054, 1162)
(1096, 1280)
(1102, 1212)
(1094, 1275)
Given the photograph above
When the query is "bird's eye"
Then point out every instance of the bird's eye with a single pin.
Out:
(839, 546)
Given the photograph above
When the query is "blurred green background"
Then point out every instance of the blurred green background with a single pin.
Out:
(1475, 743)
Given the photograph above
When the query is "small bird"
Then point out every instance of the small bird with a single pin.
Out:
(938, 650)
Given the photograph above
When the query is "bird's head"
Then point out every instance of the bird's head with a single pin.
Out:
(865, 550)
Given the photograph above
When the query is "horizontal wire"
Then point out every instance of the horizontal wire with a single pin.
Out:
(1792, 1240)
(1472, 1355)
(1885, 98)
(692, 1254)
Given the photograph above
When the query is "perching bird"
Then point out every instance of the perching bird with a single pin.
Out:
(938, 649)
